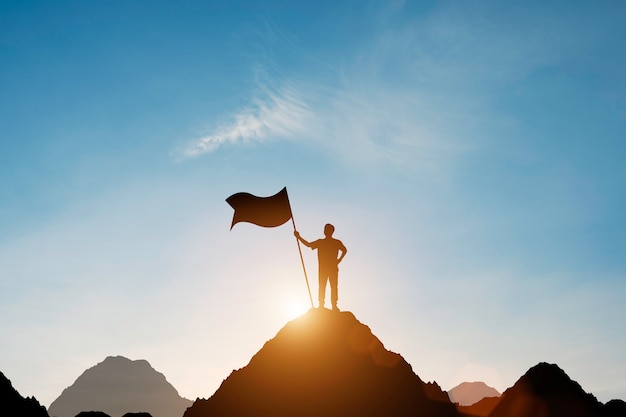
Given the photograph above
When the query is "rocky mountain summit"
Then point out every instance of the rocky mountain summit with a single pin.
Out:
(325, 363)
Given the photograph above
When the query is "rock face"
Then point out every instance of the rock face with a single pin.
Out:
(546, 391)
(325, 364)
(615, 408)
(13, 404)
(468, 393)
(117, 386)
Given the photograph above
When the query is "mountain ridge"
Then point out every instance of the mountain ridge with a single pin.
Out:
(329, 364)
(323, 363)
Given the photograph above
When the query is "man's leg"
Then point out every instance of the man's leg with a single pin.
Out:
(334, 291)
(321, 292)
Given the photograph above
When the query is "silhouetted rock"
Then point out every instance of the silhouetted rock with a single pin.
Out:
(117, 386)
(92, 414)
(142, 414)
(546, 391)
(325, 364)
(12, 403)
(468, 393)
(615, 408)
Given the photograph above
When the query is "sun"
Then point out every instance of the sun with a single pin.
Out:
(294, 307)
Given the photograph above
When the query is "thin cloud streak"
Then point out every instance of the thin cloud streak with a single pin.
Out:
(360, 123)
(279, 114)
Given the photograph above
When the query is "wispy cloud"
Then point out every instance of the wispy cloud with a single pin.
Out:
(415, 95)
(277, 114)
(360, 122)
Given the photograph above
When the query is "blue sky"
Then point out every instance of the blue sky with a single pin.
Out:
(470, 156)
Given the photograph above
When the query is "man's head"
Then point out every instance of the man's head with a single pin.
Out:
(329, 229)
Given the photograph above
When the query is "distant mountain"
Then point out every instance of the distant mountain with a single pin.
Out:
(102, 414)
(325, 364)
(13, 404)
(117, 386)
(468, 393)
(92, 414)
(546, 391)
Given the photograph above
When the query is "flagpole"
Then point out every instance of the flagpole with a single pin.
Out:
(306, 278)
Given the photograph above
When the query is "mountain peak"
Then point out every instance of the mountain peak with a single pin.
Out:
(468, 393)
(120, 358)
(123, 361)
(325, 363)
(546, 390)
(549, 379)
(119, 385)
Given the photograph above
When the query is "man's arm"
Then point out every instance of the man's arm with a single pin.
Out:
(343, 251)
(301, 239)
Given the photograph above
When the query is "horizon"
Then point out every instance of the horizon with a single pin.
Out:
(469, 156)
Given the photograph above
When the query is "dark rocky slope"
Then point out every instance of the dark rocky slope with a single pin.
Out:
(13, 404)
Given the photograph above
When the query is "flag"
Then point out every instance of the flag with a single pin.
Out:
(262, 211)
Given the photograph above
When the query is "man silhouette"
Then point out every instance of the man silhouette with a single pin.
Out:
(328, 263)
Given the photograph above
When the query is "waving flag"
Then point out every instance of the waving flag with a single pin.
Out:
(267, 212)
(262, 211)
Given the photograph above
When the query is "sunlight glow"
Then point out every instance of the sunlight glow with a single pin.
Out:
(295, 307)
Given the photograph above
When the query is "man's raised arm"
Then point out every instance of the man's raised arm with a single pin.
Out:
(301, 239)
